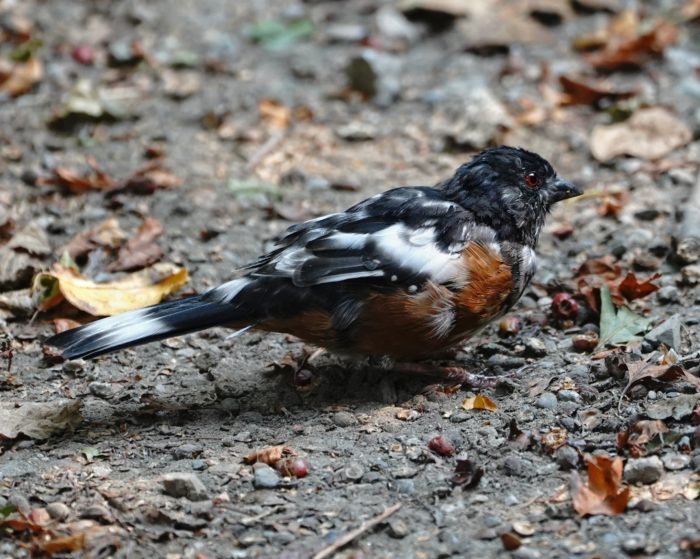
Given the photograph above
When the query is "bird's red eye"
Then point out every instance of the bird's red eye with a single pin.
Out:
(533, 180)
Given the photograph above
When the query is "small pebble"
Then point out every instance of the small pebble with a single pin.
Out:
(643, 470)
(407, 486)
(567, 458)
(568, 396)
(21, 503)
(535, 347)
(182, 484)
(675, 461)
(101, 390)
(265, 477)
(187, 450)
(354, 471)
(58, 511)
(344, 419)
(547, 401)
(634, 543)
(398, 528)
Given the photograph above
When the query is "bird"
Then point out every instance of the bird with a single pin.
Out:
(405, 275)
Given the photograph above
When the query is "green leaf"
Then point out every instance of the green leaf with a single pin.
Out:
(276, 35)
(7, 510)
(90, 453)
(619, 327)
(249, 187)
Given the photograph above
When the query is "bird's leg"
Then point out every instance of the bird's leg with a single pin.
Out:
(457, 375)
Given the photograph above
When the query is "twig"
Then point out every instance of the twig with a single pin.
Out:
(364, 527)
(688, 249)
(264, 150)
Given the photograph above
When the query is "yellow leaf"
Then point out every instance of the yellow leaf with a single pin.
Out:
(479, 402)
(133, 291)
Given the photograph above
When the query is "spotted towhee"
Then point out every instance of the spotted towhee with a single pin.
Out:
(407, 273)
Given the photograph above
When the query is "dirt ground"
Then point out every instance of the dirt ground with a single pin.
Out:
(228, 121)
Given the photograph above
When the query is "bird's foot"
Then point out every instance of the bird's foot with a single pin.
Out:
(455, 375)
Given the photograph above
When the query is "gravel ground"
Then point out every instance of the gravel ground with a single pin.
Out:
(358, 100)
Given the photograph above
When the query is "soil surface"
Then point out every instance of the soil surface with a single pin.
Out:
(227, 122)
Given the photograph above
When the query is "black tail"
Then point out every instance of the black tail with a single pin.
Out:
(151, 323)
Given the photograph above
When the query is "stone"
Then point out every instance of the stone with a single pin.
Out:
(472, 119)
(344, 419)
(643, 470)
(668, 294)
(535, 347)
(675, 461)
(568, 396)
(264, 477)
(567, 458)
(58, 510)
(376, 74)
(398, 528)
(187, 450)
(547, 401)
(667, 333)
(182, 484)
(101, 390)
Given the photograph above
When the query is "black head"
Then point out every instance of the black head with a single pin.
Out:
(511, 190)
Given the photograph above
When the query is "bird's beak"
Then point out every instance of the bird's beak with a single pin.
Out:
(561, 190)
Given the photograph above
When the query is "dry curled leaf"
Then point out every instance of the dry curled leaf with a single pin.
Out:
(554, 438)
(63, 324)
(603, 493)
(579, 92)
(467, 473)
(631, 288)
(19, 78)
(108, 234)
(142, 250)
(649, 134)
(479, 402)
(645, 370)
(78, 183)
(133, 291)
(269, 455)
(638, 435)
(634, 52)
(38, 420)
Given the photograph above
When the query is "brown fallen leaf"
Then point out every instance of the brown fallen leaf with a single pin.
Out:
(636, 51)
(269, 455)
(142, 250)
(554, 438)
(63, 324)
(134, 291)
(150, 177)
(479, 402)
(579, 92)
(467, 473)
(21, 77)
(603, 493)
(38, 420)
(645, 370)
(631, 288)
(649, 134)
(638, 435)
(611, 204)
(63, 544)
(77, 183)
(107, 234)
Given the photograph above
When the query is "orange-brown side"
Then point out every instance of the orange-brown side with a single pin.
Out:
(402, 325)
(411, 326)
(490, 282)
(314, 326)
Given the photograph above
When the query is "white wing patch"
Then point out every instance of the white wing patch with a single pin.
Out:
(416, 250)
